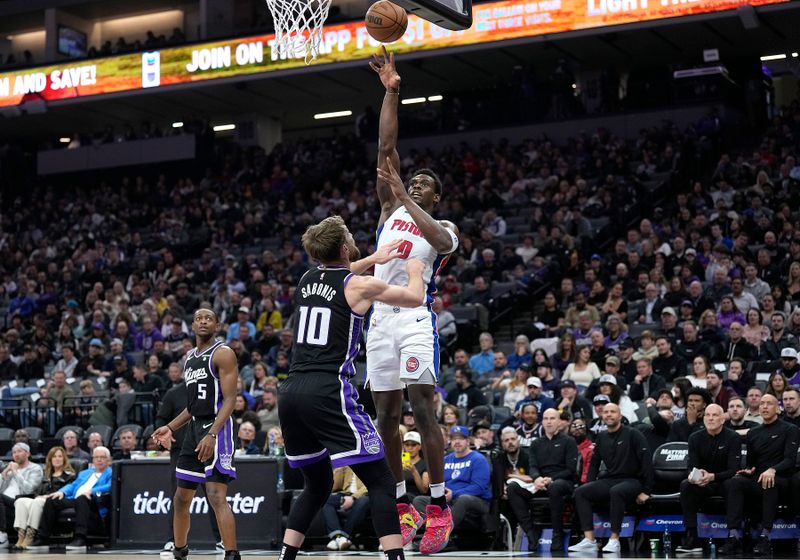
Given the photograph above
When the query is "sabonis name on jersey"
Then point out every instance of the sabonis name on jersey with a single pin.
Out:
(318, 289)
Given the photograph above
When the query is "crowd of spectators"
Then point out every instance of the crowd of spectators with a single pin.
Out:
(144, 130)
(151, 41)
(36, 488)
(659, 306)
(108, 48)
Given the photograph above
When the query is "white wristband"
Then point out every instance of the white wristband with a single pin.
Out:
(454, 239)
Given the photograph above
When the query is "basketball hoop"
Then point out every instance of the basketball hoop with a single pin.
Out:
(298, 26)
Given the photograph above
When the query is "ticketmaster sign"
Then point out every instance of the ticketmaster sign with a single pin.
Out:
(143, 496)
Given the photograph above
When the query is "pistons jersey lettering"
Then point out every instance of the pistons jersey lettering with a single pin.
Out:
(400, 226)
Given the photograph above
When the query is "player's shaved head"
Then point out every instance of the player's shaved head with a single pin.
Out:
(612, 416)
(771, 399)
(714, 418)
(715, 408)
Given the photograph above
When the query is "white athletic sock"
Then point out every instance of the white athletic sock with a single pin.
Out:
(437, 490)
(400, 490)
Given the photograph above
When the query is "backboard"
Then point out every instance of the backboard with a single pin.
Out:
(450, 14)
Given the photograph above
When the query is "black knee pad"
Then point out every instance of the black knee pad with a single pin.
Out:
(318, 478)
(381, 486)
(318, 483)
(376, 476)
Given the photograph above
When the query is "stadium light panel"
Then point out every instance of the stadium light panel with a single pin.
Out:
(435, 98)
(332, 115)
(177, 124)
(64, 140)
(412, 100)
(224, 127)
(773, 57)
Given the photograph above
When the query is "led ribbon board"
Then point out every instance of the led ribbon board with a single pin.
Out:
(496, 21)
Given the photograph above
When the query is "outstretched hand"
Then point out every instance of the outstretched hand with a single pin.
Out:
(386, 253)
(163, 436)
(391, 177)
(383, 64)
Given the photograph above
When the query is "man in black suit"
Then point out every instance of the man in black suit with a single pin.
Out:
(698, 299)
(646, 383)
(714, 457)
(627, 365)
(667, 364)
(736, 346)
(649, 309)
(689, 345)
(771, 456)
(669, 324)
(553, 470)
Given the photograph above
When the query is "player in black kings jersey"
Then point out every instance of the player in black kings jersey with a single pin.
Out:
(210, 374)
(323, 425)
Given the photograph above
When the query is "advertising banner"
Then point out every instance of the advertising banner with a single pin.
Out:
(142, 498)
(661, 523)
(545, 541)
(601, 526)
(495, 21)
(711, 526)
(716, 527)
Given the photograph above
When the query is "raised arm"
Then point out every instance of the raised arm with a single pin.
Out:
(443, 236)
(383, 65)
(362, 291)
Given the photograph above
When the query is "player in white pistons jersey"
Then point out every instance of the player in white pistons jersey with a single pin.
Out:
(403, 344)
(400, 226)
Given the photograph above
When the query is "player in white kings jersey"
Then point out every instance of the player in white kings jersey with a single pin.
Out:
(403, 344)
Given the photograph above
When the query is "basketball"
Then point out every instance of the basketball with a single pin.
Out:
(386, 22)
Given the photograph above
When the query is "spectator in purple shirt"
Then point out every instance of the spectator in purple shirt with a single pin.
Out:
(729, 313)
(616, 333)
(147, 336)
(22, 305)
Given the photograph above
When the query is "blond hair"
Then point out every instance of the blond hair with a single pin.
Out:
(323, 242)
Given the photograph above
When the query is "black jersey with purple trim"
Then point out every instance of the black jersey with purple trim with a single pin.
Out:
(326, 330)
(204, 392)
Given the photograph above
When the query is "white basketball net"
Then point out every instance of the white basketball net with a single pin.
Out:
(298, 27)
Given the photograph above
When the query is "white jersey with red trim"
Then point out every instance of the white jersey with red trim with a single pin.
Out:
(400, 225)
